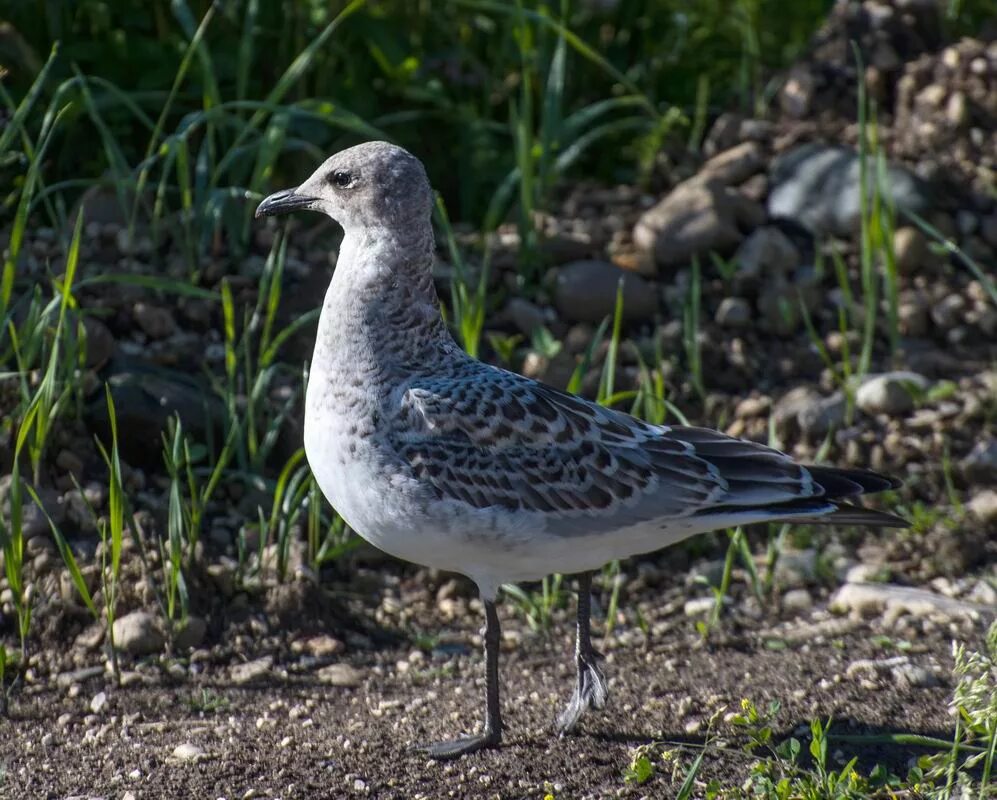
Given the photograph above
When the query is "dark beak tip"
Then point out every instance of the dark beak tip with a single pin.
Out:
(282, 202)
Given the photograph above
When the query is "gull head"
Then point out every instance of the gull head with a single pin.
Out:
(372, 185)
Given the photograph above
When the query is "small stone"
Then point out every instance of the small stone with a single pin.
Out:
(733, 312)
(191, 634)
(865, 573)
(767, 252)
(699, 606)
(526, 316)
(33, 520)
(914, 676)
(950, 312)
(980, 464)
(138, 634)
(910, 247)
(697, 217)
(321, 646)
(820, 417)
(796, 568)
(984, 505)
(48, 740)
(912, 317)
(797, 601)
(99, 702)
(100, 342)
(156, 322)
(188, 752)
(251, 671)
(735, 165)
(872, 599)
(342, 675)
(69, 462)
(892, 393)
(788, 408)
(751, 407)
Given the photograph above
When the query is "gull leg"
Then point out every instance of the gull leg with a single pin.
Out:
(590, 688)
(491, 736)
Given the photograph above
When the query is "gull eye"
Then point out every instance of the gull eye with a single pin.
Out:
(342, 179)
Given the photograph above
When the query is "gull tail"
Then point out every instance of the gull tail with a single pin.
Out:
(831, 507)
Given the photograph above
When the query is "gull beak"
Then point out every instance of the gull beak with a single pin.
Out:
(282, 202)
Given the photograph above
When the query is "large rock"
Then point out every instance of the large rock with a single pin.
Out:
(891, 393)
(586, 292)
(145, 397)
(699, 216)
(818, 187)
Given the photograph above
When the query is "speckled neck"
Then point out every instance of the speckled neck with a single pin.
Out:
(380, 321)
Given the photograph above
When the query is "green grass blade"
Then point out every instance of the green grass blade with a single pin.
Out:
(301, 64)
(686, 789)
(16, 122)
(153, 283)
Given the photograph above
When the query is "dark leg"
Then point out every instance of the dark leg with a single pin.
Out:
(492, 734)
(590, 690)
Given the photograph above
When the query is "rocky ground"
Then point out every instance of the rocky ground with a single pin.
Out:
(289, 689)
(276, 710)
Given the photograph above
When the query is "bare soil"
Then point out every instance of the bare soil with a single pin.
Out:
(292, 735)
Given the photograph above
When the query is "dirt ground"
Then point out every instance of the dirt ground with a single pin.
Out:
(294, 731)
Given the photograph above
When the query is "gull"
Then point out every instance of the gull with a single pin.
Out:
(445, 461)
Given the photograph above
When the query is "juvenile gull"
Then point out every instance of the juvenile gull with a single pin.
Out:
(448, 462)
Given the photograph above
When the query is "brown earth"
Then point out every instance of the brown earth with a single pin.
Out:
(292, 735)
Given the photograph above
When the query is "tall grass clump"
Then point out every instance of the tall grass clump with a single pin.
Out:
(566, 84)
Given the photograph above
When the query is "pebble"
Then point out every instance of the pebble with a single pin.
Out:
(797, 601)
(341, 674)
(891, 601)
(321, 646)
(191, 634)
(983, 505)
(796, 568)
(156, 322)
(138, 634)
(911, 250)
(765, 253)
(526, 316)
(188, 752)
(892, 393)
(99, 702)
(699, 216)
(735, 165)
(980, 464)
(819, 417)
(251, 671)
(949, 312)
(915, 676)
(699, 606)
(733, 312)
